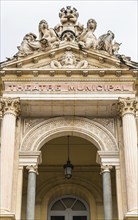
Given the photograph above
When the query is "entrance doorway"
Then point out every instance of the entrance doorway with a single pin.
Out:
(68, 208)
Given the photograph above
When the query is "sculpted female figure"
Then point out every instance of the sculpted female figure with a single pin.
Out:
(105, 42)
(87, 39)
(48, 34)
(28, 45)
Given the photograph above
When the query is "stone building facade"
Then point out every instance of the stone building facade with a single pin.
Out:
(69, 94)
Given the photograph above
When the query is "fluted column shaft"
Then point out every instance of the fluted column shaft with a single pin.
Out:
(107, 192)
(10, 109)
(31, 192)
(127, 110)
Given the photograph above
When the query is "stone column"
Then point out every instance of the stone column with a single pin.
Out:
(31, 188)
(107, 192)
(10, 109)
(127, 109)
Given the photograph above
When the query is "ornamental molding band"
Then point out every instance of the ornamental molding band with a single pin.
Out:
(10, 106)
(127, 106)
(44, 131)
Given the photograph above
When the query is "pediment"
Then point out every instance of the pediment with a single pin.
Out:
(69, 45)
(68, 56)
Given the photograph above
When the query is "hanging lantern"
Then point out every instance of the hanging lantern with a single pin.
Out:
(68, 167)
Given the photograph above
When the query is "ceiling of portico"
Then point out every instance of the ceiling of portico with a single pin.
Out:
(81, 152)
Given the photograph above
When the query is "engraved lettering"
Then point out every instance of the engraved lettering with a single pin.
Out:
(71, 88)
(58, 88)
(68, 87)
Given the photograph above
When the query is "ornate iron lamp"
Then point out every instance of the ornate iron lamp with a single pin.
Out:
(68, 167)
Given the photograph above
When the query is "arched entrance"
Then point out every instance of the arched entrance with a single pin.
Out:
(86, 182)
(68, 208)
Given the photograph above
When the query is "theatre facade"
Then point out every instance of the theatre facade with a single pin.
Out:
(68, 106)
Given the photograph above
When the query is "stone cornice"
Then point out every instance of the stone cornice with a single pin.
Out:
(69, 74)
(10, 106)
(117, 71)
(63, 79)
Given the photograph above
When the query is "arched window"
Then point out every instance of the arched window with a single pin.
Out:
(68, 208)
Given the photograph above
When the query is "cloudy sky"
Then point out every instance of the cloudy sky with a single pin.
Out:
(20, 17)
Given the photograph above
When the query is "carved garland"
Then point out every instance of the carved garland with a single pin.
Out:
(52, 128)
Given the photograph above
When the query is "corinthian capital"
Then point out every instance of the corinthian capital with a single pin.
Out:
(10, 105)
(106, 168)
(127, 106)
(32, 169)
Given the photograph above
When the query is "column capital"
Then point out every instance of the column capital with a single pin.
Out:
(109, 158)
(28, 159)
(10, 105)
(127, 106)
(106, 169)
(32, 169)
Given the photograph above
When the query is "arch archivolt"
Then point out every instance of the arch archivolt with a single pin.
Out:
(88, 129)
(74, 188)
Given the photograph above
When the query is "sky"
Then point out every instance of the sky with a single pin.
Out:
(21, 17)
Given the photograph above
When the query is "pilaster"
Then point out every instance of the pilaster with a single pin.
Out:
(119, 193)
